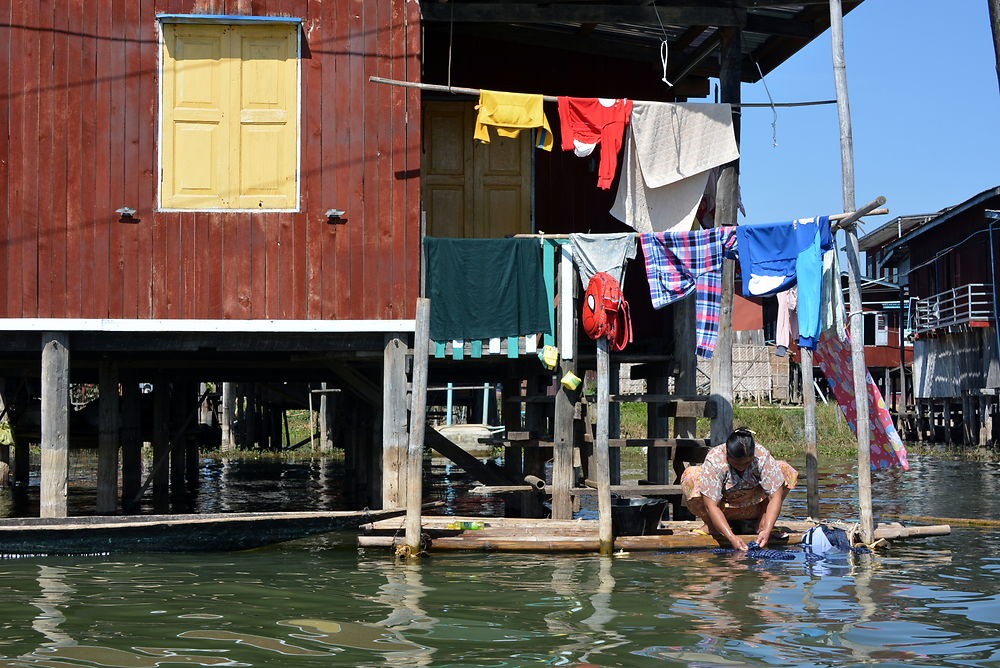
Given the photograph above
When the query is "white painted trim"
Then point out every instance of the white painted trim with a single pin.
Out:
(203, 326)
(566, 277)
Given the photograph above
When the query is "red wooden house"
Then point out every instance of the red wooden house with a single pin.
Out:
(212, 190)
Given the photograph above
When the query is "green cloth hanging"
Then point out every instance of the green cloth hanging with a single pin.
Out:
(485, 288)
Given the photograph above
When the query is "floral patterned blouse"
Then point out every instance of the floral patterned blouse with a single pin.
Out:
(720, 481)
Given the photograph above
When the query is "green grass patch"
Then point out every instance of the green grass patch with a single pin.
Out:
(778, 428)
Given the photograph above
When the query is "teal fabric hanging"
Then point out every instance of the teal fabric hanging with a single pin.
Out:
(485, 288)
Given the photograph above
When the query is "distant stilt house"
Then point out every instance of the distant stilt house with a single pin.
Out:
(945, 264)
(213, 191)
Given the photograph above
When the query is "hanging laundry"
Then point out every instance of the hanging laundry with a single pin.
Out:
(587, 122)
(669, 151)
(788, 320)
(833, 354)
(776, 256)
(832, 317)
(509, 113)
(485, 288)
(609, 253)
(679, 263)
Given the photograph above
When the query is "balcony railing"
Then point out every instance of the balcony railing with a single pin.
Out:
(971, 303)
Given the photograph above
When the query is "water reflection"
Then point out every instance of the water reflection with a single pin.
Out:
(317, 604)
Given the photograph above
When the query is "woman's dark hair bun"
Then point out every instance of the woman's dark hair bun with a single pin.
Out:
(740, 443)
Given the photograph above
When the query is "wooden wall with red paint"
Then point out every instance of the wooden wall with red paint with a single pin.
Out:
(80, 101)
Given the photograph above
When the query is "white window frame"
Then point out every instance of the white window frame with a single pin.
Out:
(161, 20)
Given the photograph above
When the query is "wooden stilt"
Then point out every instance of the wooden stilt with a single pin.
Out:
(615, 425)
(562, 425)
(685, 383)
(394, 421)
(534, 458)
(946, 421)
(131, 439)
(226, 414)
(53, 499)
(161, 443)
(108, 438)
(22, 463)
(194, 403)
(4, 410)
(986, 420)
(812, 454)
(418, 418)
(602, 473)
(512, 462)
(727, 204)
(179, 404)
(325, 444)
(854, 275)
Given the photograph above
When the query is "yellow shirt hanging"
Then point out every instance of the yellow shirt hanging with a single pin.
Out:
(510, 113)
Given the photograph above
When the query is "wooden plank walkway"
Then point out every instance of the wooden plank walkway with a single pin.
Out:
(506, 534)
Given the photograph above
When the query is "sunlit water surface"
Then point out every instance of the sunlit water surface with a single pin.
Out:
(322, 602)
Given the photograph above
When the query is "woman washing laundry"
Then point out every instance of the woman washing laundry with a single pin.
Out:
(739, 480)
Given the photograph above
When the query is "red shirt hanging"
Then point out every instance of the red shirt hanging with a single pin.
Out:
(589, 121)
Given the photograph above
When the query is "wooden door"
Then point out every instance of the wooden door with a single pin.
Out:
(473, 190)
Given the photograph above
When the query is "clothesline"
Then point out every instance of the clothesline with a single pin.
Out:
(844, 220)
(552, 98)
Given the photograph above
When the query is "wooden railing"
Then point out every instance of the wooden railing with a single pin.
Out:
(970, 303)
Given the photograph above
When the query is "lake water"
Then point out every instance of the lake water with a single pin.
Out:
(322, 602)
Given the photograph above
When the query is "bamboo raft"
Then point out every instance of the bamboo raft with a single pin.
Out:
(507, 534)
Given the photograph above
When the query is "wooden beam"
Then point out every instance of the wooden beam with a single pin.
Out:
(470, 464)
(562, 423)
(55, 425)
(355, 382)
(809, 420)
(526, 12)
(108, 439)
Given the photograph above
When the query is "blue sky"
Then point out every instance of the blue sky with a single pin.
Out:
(925, 108)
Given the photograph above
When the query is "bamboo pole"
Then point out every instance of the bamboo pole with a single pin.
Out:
(458, 90)
(854, 276)
(995, 24)
(601, 459)
(55, 425)
(418, 418)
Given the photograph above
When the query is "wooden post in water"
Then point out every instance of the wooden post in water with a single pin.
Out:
(418, 420)
(325, 442)
(562, 426)
(107, 445)
(812, 453)
(226, 414)
(394, 421)
(854, 275)
(55, 425)
(178, 409)
(602, 473)
(161, 442)
(727, 205)
(131, 439)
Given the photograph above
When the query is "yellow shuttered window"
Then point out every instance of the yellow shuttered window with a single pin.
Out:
(229, 117)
